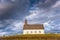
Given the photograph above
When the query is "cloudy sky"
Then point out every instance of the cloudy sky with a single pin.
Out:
(14, 12)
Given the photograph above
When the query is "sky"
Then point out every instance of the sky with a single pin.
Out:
(14, 12)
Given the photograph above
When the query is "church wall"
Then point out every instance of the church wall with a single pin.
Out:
(33, 31)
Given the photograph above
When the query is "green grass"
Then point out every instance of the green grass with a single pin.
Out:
(32, 37)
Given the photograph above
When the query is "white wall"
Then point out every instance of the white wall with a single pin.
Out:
(33, 31)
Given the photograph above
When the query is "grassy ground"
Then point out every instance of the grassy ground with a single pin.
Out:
(32, 37)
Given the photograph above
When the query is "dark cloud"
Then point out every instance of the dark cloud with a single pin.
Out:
(16, 12)
(19, 10)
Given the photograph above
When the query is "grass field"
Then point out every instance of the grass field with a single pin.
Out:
(32, 37)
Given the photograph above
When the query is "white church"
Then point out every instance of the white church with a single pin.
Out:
(33, 28)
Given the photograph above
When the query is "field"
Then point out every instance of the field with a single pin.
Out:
(32, 37)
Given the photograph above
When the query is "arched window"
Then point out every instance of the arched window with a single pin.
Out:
(35, 31)
(39, 31)
(31, 32)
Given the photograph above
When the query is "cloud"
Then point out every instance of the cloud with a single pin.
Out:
(18, 11)
(9, 20)
(46, 14)
(17, 27)
(33, 13)
(2, 33)
(22, 7)
(57, 4)
(45, 4)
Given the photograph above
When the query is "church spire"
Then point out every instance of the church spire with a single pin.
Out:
(25, 22)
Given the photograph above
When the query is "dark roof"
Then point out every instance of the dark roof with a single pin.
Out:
(34, 26)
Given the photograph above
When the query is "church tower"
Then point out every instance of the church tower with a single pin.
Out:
(25, 24)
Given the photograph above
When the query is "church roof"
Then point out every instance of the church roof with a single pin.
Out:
(34, 26)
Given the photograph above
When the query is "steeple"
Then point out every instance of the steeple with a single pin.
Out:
(25, 22)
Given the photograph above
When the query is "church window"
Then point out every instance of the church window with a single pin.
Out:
(39, 31)
(31, 32)
(35, 31)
